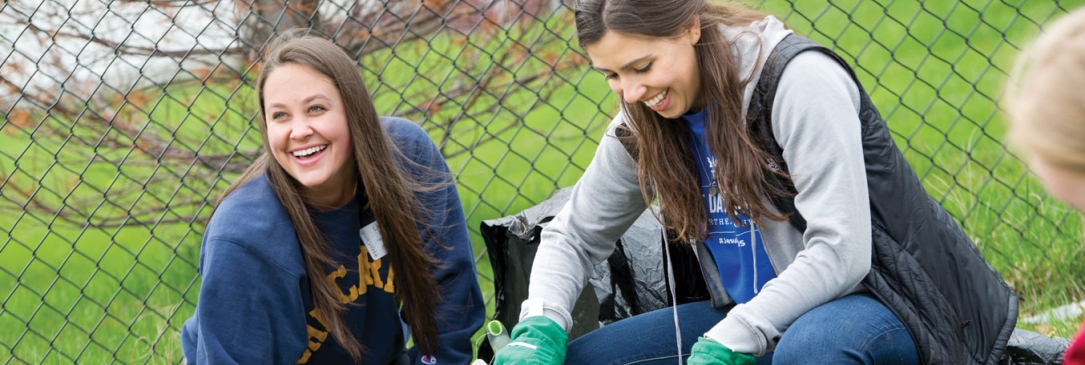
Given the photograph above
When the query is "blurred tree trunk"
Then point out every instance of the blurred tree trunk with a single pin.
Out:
(158, 95)
(262, 19)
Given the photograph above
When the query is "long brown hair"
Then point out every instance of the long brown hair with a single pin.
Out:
(665, 164)
(391, 194)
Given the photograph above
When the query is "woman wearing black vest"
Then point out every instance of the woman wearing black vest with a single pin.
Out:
(817, 242)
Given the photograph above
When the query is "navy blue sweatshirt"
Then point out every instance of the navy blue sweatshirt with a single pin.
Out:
(255, 305)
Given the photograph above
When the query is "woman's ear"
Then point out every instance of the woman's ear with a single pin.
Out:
(694, 31)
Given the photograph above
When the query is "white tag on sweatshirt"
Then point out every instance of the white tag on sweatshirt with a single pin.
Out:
(371, 237)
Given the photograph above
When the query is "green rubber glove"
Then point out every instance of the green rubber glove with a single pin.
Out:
(709, 352)
(536, 340)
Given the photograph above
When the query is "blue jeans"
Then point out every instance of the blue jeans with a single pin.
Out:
(855, 329)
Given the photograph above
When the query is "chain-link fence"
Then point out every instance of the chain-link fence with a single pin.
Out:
(124, 121)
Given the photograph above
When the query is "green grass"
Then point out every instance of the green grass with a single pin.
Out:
(93, 290)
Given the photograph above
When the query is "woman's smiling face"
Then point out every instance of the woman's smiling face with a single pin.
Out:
(307, 132)
(662, 73)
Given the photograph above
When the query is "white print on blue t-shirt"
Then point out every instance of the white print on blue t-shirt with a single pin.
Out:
(739, 250)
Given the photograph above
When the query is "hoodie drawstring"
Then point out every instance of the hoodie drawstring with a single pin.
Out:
(674, 299)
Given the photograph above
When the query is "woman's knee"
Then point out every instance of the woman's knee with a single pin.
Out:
(800, 343)
(852, 330)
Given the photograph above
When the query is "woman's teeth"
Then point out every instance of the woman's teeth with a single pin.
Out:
(309, 151)
(653, 102)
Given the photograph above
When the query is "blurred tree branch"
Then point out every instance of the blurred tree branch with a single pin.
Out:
(130, 94)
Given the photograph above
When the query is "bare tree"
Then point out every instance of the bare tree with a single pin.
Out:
(141, 112)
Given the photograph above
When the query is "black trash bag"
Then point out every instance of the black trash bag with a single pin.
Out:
(630, 282)
(1031, 348)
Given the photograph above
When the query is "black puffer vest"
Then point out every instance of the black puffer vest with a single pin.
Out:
(924, 268)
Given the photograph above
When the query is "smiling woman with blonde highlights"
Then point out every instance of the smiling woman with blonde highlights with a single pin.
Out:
(322, 251)
(1046, 110)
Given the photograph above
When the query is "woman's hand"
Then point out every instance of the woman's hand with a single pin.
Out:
(536, 340)
(709, 352)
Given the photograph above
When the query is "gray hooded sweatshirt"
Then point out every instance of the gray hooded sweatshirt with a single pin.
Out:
(815, 121)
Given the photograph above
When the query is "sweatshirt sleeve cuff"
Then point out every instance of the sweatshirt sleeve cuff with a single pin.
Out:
(533, 307)
(739, 335)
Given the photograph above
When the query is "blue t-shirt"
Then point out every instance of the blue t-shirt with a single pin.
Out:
(739, 250)
(255, 304)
